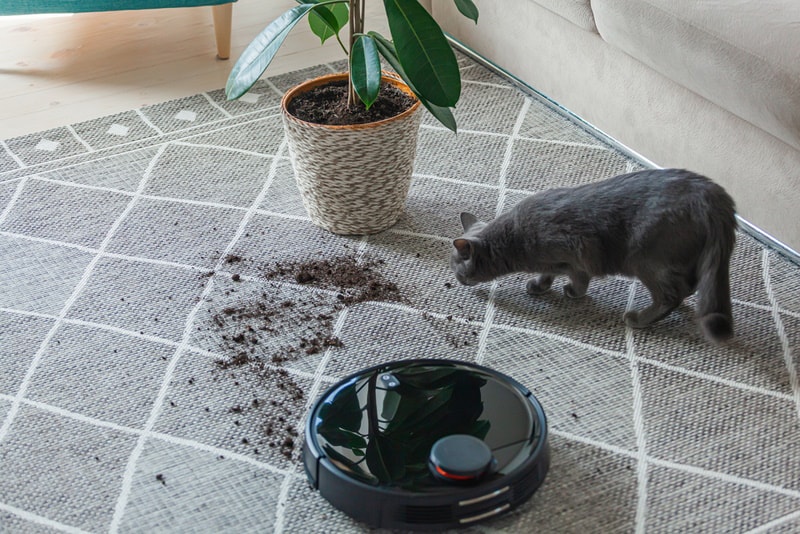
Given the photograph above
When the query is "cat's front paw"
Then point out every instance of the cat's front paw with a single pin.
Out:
(571, 292)
(539, 285)
(631, 319)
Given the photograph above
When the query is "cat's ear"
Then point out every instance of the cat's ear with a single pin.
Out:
(467, 220)
(464, 248)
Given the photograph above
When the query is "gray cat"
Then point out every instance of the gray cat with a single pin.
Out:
(672, 229)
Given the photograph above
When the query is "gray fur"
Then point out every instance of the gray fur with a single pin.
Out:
(672, 229)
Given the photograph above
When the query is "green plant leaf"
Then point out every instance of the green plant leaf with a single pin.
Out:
(345, 413)
(468, 9)
(386, 48)
(355, 470)
(365, 69)
(325, 22)
(414, 412)
(424, 52)
(259, 53)
(344, 438)
(385, 458)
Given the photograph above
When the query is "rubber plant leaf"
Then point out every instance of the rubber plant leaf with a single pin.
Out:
(386, 48)
(344, 438)
(365, 69)
(468, 9)
(356, 471)
(345, 413)
(424, 52)
(325, 22)
(430, 377)
(259, 53)
(385, 458)
(415, 413)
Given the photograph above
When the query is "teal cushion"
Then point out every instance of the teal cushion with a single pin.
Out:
(30, 7)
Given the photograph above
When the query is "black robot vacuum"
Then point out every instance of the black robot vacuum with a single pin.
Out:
(426, 445)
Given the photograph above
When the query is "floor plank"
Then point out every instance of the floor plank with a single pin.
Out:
(57, 70)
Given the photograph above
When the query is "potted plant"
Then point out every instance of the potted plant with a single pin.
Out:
(354, 178)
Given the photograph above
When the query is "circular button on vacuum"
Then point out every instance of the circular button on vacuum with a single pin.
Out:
(460, 458)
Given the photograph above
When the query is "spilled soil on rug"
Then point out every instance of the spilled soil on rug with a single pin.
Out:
(354, 281)
(261, 334)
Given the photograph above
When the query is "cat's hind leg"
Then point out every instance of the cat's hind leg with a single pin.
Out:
(655, 312)
(578, 284)
(539, 285)
(665, 298)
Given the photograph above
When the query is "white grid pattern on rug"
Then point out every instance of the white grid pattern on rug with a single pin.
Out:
(109, 230)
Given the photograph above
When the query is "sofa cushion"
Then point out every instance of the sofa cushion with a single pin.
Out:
(26, 7)
(578, 12)
(742, 55)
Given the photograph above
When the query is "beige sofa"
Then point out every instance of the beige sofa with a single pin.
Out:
(709, 85)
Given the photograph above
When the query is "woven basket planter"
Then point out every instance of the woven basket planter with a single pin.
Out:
(353, 179)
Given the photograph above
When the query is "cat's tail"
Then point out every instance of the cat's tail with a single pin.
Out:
(713, 287)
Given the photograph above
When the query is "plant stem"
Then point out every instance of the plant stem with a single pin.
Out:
(356, 28)
(341, 44)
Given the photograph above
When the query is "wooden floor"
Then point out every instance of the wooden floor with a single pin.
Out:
(57, 70)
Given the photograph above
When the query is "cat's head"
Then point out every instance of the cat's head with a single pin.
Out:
(468, 255)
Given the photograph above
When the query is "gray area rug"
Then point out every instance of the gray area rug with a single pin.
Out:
(141, 253)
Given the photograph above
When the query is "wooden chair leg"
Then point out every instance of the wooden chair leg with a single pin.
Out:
(223, 15)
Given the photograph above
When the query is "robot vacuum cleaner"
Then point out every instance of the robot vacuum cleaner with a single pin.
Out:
(426, 445)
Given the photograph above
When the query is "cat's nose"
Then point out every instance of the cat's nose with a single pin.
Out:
(465, 281)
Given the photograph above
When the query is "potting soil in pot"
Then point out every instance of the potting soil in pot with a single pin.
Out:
(327, 104)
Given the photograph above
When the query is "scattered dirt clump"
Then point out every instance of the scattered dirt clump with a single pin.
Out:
(259, 334)
(356, 281)
(455, 336)
(275, 414)
(274, 329)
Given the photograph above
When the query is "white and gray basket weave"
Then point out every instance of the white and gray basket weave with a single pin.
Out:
(353, 179)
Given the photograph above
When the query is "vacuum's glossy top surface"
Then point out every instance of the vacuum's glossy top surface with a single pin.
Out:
(379, 427)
